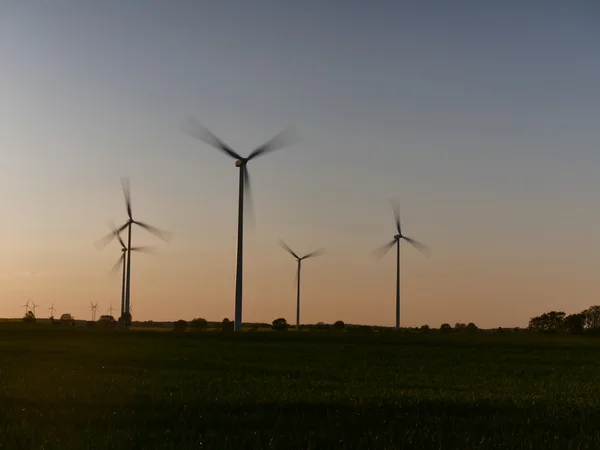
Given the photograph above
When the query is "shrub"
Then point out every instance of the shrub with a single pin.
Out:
(227, 326)
(180, 326)
(280, 324)
(199, 324)
(339, 325)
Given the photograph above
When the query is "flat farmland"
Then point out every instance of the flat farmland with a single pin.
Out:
(84, 388)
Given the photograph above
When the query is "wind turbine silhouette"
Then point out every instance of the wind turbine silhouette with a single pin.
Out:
(127, 249)
(299, 261)
(285, 138)
(93, 308)
(33, 305)
(110, 310)
(52, 310)
(26, 306)
(381, 251)
(121, 262)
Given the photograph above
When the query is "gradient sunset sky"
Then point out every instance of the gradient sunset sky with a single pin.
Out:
(482, 118)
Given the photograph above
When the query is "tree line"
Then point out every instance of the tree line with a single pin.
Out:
(585, 322)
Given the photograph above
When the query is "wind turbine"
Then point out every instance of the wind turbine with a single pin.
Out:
(381, 251)
(285, 138)
(52, 309)
(121, 262)
(93, 308)
(110, 310)
(299, 261)
(128, 248)
(26, 306)
(33, 305)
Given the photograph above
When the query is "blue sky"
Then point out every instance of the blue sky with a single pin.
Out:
(481, 119)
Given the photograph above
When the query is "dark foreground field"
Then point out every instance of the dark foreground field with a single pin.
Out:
(79, 389)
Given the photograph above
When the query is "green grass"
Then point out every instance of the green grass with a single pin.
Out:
(79, 389)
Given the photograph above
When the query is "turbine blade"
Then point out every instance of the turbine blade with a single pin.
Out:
(127, 194)
(318, 252)
(286, 247)
(117, 232)
(195, 129)
(396, 209)
(420, 247)
(117, 265)
(381, 251)
(150, 250)
(285, 138)
(164, 235)
(248, 200)
(105, 240)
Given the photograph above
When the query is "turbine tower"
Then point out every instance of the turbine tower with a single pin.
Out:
(127, 249)
(285, 138)
(93, 308)
(299, 261)
(381, 251)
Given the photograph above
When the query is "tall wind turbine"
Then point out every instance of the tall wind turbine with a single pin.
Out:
(33, 305)
(381, 251)
(299, 261)
(93, 308)
(285, 138)
(26, 306)
(52, 309)
(128, 248)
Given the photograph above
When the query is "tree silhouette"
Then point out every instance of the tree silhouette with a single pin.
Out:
(446, 328)
(180, 326)
(227, 325)
(550, 322)
(339, 325)
(199, 324)
(574, 323)
(280, 324)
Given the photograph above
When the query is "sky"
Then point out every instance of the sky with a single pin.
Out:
(482, 120)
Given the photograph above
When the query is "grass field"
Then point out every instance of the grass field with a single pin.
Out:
(79, 389)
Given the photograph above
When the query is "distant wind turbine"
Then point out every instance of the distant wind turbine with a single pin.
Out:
(128, 249)
(33, 305)
(110, 310)
(285, 138)
(52, 309)
(26, 306)
(381, 251)
(94, 308)
(299, 260)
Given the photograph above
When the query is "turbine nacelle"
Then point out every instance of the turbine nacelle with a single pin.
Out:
(240, 162)
(397, 237)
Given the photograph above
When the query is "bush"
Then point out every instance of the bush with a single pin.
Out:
(425, 329)
(227, 326)
(107, 322)
(199, 324)
(180, 326)
(67, 319)
(446, 328)
(339, 325)
(280, 324)
(472, 328)
(29, 317)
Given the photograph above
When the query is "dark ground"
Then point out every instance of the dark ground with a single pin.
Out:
(79, 389)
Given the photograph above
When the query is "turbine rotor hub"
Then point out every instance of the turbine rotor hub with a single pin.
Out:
(397, 237)
(239, 162)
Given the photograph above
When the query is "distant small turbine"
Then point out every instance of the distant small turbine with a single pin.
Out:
(26, 306)
(33, 305)
(52, 309)
(299, 261)
(381, 251)
(93, 308)
(110, 310)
